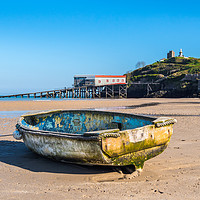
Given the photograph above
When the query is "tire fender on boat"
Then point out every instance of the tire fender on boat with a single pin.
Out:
(17, 135)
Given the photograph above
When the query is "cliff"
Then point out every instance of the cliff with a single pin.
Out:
(171, 74)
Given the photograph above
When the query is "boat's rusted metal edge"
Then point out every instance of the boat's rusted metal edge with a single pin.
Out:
(158, 122)
(92, 136)
(86, 110)
(21, 128)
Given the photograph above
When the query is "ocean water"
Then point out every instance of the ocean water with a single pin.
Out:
(12, 114)
(42, 99)
(30, 99)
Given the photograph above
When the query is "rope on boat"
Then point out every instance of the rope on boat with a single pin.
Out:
(160, 124)
(114, 135)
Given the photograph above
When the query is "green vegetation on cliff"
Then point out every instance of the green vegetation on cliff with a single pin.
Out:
(170, 74)
(173, 69)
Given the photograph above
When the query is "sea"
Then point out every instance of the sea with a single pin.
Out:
(12, 114)
(41, 99)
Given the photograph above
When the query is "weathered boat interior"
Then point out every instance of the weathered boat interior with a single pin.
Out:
(80, 121)
(95, 137)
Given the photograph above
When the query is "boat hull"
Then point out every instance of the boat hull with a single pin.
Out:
(113, 147)
(87, 152)
(81, 150)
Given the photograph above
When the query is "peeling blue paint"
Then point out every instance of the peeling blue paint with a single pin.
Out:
(83, 121)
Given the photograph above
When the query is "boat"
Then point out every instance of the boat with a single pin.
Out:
(94, 137)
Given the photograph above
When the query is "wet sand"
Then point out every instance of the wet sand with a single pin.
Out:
(175, 174)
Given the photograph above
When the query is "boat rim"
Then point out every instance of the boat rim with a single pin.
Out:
(84, 110)
(92, 136)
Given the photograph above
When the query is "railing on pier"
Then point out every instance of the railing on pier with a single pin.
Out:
(106, 91)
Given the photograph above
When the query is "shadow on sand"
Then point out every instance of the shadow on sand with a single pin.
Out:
(16, 153)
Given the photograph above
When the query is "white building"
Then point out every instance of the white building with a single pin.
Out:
(181, 53)
(98, 80)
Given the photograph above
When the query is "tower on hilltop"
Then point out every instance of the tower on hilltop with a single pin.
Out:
(171, 54)
(181, 53)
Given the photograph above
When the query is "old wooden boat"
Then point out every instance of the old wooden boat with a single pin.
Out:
(95, 137)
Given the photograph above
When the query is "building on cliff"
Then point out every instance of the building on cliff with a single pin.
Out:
(181, 53)
(171, 54)
(98, 80)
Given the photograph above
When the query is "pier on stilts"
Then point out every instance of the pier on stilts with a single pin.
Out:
(105, 91)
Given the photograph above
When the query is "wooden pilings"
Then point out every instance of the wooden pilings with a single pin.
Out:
(122, 91)
(107, 91)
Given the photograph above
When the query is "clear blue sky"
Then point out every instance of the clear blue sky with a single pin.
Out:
(43, 44)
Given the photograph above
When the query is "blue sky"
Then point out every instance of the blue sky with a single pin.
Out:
(43, 44)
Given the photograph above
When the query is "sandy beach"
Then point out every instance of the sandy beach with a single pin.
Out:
(175, 174)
